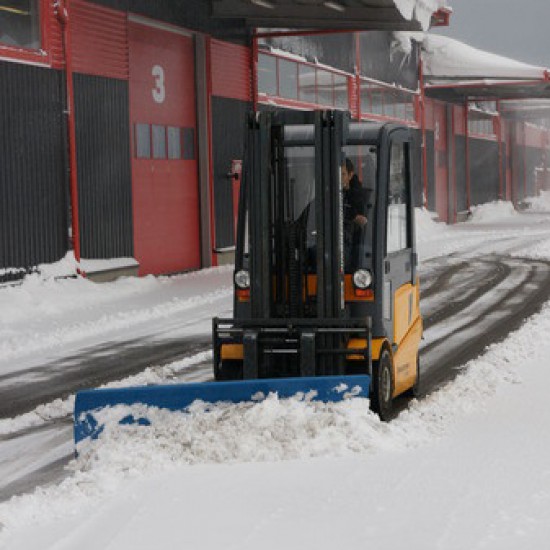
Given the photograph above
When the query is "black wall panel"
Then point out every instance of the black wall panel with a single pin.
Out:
(534, 160)
(460, 166)
(103, 161)
(229, 116)
(33, 177)
(484, 172)
(418, 185)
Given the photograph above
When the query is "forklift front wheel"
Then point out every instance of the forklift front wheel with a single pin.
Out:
(382, 386)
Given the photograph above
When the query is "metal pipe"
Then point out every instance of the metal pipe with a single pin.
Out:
(467, 152)
(423, 125)
(62, 9)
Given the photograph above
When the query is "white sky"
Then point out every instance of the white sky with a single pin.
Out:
(514, 28)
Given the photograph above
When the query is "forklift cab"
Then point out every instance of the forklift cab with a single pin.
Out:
(317, 292)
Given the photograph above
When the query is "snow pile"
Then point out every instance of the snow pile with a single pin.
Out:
(273, 430)
(63, 408)
(492, 212)
(446, 57)
(70, 310)
(427, 228)
(539, 204)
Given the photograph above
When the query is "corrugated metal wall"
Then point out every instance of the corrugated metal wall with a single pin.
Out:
(33, 180)
(484, 173)
(460, 166)
(230, 120)
(103, 161)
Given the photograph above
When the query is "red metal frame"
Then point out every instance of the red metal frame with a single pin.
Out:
(63, 13)
(422, 104)
(467, 153)
(214, 256)
(299, 104)
(453, 167)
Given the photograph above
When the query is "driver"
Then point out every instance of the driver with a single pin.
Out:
(355, 205)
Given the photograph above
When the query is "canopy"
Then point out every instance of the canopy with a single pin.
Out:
(335, 15)
(455, 71)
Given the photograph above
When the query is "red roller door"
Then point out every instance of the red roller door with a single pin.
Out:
(164, 163)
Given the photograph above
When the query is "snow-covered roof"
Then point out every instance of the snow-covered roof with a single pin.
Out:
(334, 14)
(455, 71)
(448, 59)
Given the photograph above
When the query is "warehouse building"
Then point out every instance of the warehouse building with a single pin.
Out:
(122, 121)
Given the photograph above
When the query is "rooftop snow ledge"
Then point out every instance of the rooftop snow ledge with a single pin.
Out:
(419, 10)
(448, 58)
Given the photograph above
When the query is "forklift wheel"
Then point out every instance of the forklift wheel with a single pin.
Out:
(416, 387)
(382, 386)
(229, 370)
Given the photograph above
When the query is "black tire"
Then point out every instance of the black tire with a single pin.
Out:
(415, 390)
(382, 386)
(228, 370)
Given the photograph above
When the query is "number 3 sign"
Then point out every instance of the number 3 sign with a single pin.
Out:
(159, 91)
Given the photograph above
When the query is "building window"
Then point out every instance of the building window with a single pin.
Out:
(267, 74)
(143, 141)
(324, 88)
(288, 79)
(188, 144)
(341, 100)
(20, 24)
(174, 143)
(159, 142)
(307, 84)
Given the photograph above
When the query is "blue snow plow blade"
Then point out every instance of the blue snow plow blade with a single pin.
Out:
(178, 397)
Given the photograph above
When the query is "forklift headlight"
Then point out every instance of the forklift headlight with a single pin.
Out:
(362, 278)
(242, 279)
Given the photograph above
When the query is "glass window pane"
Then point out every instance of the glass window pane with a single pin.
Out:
(267, 74)
(324, 88)
(20, 23)
(288, 79)
(377, 101)
(174, 143)
(398, 201)
(188, 144)
(341, 100)
(143, 141)
(366, 106)
(159, 142)
(307, 84)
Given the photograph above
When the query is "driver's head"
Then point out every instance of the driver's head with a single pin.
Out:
(347, 172)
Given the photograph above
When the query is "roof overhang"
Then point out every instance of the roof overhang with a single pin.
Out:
(334, 15)
(489, 90)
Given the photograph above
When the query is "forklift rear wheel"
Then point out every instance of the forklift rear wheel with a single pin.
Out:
(382, 386)
(229, 370)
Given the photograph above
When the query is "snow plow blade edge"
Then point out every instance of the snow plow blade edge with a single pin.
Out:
(179, 397)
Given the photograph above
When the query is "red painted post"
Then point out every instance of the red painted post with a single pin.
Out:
(423, 125)
(62, 12)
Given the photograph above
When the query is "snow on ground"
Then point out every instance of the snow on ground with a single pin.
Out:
(540, 203)
(77, 311)
(467, 467)
(493, 211)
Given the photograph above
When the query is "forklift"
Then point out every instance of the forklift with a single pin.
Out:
(309, 299)
(324, 308)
